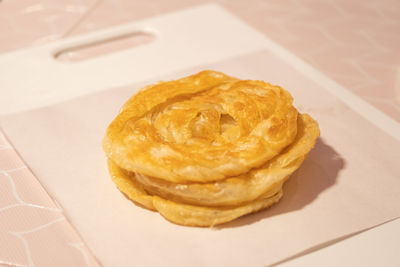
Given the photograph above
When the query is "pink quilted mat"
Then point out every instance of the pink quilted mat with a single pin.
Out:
(354, 42)
(33, 228)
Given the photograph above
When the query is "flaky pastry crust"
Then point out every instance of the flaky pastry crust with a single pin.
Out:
(205, 127)
(181, 213)
(208, 148)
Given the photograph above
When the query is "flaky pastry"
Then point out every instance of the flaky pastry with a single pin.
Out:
(208, 148)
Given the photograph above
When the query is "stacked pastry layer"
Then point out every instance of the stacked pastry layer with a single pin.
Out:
(208, 148)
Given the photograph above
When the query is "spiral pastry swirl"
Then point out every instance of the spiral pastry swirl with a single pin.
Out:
(208, 148)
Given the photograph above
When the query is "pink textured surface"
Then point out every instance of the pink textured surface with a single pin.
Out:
(34, 22)
(33, 229)
(352, 41)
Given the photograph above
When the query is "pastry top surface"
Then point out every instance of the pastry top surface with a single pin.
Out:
(201, 128)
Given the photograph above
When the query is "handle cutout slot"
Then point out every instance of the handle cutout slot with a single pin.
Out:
(105, 46)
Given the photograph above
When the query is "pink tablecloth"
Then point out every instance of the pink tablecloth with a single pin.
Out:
(354, 42)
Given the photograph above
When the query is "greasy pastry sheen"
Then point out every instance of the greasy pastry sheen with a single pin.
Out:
(208, 148)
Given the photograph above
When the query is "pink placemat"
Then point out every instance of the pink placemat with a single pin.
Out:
(33, 228)
(35, 22)
(354, 42)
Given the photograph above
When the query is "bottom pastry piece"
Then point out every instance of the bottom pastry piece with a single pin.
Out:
(180, 213)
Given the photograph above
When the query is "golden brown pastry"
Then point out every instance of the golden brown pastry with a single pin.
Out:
(208, 148)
